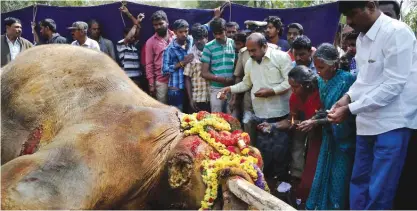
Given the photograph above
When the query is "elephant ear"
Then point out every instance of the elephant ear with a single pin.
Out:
(180, 168)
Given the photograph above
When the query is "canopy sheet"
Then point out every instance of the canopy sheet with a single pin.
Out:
(320, 22)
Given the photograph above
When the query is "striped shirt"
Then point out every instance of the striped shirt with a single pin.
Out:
(129, 59)
(221, 59)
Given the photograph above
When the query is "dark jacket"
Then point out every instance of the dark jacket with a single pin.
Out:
(57, 39)
(5, 51)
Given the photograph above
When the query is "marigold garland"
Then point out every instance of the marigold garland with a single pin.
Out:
(207, 125)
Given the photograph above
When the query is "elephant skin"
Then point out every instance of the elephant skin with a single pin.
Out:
(99, 142)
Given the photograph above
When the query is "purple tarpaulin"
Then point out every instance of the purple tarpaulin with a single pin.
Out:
(320, 22)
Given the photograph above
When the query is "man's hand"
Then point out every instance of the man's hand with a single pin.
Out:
(188, 59)
(222, 93)
(264, 92)
(140, 17)
(307, 125)
(265, 127)
(337, 115)
(344, 101)
(124, 10)
(152, 90)
(233, 103)
(193, 105)
(217, 12)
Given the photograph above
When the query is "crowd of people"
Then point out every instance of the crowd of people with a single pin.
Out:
(333, 123)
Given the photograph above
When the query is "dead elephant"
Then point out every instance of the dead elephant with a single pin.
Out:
(78, 134)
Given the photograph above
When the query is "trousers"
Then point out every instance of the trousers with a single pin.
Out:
(379, 160)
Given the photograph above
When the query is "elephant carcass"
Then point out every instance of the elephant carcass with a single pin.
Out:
(78, 134)
(101, 139)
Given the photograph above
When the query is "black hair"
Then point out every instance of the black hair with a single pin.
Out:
(159, 15)
(48, 23)
(259, 38)
(353, 35)
(240, 37)
(346, 6)
(297, 26)
(218, 25)
(232, 24)
(395, 4)
(93, 21)
(304, 76)
(301, 42)
(276, 22)
(198, 31)
(9, 21)
(179, 24)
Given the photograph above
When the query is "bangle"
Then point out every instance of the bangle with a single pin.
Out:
(181, 65)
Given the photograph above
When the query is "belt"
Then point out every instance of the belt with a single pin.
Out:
(173, 88)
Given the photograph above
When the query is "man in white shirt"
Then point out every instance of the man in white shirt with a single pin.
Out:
(11, 42)
(79, 33)
(266, 75)
(384, 100)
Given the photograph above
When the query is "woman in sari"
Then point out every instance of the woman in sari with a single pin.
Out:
(304, 102)
(331, 181)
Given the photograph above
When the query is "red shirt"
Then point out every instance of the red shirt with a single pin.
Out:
(308, 108)
(154, 49)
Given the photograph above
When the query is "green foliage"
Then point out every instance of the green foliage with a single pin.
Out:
(7, 6)
(411, 17)
(210, 4)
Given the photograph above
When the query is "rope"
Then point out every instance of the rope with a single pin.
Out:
(34, 12)
(121, 14)
(229, 3)
(230, 10)
(123, 20)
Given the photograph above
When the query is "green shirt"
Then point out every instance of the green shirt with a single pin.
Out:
(221, 59)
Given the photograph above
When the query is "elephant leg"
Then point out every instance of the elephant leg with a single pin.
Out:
(50, 179)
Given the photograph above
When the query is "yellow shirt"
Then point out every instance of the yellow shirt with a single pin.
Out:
(271, 73)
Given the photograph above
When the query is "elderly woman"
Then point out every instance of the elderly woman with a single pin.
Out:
(304, 103)
(331, 181)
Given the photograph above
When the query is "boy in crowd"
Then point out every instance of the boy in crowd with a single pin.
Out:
(274, 31)
(176, 56)
(196, 86)
(218, 62)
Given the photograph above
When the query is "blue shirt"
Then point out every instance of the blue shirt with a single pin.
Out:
(207, 26)
(311, 66)
(173, 54)
(284, 45)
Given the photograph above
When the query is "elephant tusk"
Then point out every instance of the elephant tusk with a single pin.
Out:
(255, 196)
